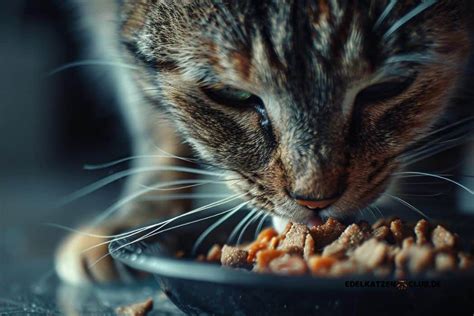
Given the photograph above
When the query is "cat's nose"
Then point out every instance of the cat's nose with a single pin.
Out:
(315, 204)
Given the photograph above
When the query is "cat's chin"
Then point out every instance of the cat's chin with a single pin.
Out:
(279, 223)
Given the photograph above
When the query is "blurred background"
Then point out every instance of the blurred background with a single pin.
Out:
(51, 125)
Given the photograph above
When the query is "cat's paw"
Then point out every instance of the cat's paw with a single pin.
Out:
(84, 259)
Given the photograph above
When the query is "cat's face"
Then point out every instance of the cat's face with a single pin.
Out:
(300, 99)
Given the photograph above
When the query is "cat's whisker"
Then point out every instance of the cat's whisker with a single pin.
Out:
(408, 205)
(84, 233)
(122, 160)
(378, 210)
(162, 224)
(125, 173)
(430, 153)
(252, 220)
(239, 226)
(371, 211)
(407, 17)
(416, 58)
(154, 233)
(446, 138)
(188, 196)
(455, 124)
(159, 230)
(90, 62)
(459, 133)
(211, 228)
(117, 205)
(385, 13)
(421, 195)
(259, 227)
(195, 183)
(192, 160)
(424, 174)
(171, 155)
(417, 183)
(200, 209)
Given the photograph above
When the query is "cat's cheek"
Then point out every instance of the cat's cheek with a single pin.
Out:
(359, 195)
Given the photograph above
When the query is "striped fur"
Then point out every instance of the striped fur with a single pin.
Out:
(309, 61)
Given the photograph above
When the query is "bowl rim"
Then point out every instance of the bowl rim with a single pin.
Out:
(160, 263)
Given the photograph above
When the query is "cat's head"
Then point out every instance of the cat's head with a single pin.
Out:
(310, 103)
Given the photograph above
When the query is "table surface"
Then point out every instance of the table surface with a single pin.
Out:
(32, 288)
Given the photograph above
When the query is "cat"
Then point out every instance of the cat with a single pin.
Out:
(305, 107)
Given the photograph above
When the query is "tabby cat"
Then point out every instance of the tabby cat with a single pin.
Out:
(307, 107)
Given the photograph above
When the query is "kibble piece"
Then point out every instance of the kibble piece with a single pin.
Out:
(274, 243)
(351, 237)
(288, 265)
(267, 234)
(214, 254)
(393, 250)
(294, 239)
(234, 257)
(408, 242)
(308, 250)
(397, 229)
(385, 249)
(379, 223)
(401, 258)
(414, 258)
(320, 265)
(445, 262)
(465, 261)
(442, 239)
(287, 229)
(325, 234)
(264, 257)
(422, 232)
(335, 249)
(365, 227)
(138, 309)
(420, 258)
(254, 248)
(341, 268)
(371, 253)
(381, 232)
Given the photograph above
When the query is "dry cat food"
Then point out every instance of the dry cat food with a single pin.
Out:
(388, 247)
(138, 309)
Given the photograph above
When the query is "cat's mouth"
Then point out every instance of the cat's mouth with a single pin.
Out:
(345, 209)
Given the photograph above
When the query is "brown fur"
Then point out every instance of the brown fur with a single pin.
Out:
(300, 58)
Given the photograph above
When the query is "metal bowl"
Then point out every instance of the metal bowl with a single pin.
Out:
(202, 288)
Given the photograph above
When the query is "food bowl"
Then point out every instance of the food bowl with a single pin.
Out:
(202, 288)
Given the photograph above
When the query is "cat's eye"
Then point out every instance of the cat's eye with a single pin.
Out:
(382, 91)
(230, 96)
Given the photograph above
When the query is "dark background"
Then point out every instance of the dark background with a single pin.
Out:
(50, 126)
